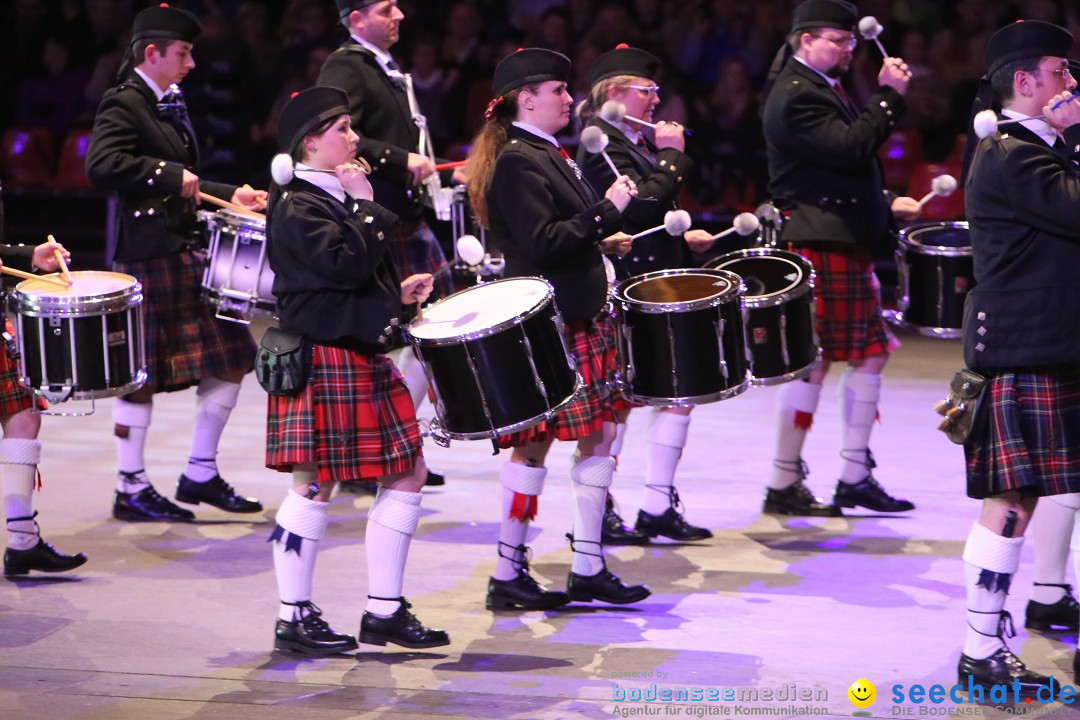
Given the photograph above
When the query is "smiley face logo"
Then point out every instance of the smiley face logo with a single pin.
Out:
(862, 693)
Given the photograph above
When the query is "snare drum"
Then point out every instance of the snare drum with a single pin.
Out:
(935, 271)
(496, 358)
(681, 337)
(779, 304)
(238, 280)
(83, 342)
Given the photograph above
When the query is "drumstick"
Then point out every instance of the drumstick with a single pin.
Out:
(941, 186)
(63, 265)
(226, 204)
(451, 165)
(31, 276)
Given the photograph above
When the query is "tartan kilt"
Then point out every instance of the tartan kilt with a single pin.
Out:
(354, 420)
(848, 299)
(184, 341)
(1028, 438)
(587, 413)
(14, 396)
(416, 250)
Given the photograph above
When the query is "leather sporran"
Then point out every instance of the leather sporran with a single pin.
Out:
(283, 363)
(961, 408)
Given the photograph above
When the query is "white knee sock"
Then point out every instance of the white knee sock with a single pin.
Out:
(392, 522)
(987, 552)
(859, 395)
(617, 442)
(301, 525)
(522, 485)
(1052, 526)
(665, 443)
(592, 478)
(413, 372)
(1075, 546)
(19, 459)
(798, 401)
(131, 421)
(214, 402)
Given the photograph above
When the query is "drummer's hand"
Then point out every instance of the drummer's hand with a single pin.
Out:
(354, 181)
(189, 186)
(621, 191)
(460, 175)
(698, 240)
(249, 197)
(617, 244)
(416, 288)
(906, 208)
(45, 259)
(420, 166)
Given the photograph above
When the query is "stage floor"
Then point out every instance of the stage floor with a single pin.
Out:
(176, 621)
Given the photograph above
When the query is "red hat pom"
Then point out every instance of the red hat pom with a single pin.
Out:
(622, 46)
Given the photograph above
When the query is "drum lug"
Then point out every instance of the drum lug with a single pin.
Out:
(436, 433)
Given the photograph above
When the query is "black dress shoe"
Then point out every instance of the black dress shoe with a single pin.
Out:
(148, 505)
(1003, 668)
(402, 628)
(216, 492)
(604, 586)
(671, 524)
(522, 592)
(435, 479)
(797, 500)
(43, 557)
(1063, 615)
(311, 635)
(869, 493)
(614, 532)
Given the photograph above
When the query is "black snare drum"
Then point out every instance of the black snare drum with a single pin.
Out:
(779, 303)
(681, 338)
(83, 342)
(496, 358)
(935, 272)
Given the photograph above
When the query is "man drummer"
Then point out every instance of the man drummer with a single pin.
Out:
(825, 175)
(389, 139)
(20, 450)
(144, 151)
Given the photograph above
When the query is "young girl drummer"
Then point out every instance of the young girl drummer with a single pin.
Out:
(549, 222)
(335, 281)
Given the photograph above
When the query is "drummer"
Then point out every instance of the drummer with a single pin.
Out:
(335, 280)
(20, 450)
(548, 221)
(144, 151)
(628, 75)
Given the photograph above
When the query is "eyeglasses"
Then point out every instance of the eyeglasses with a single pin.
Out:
(1061, 71)
(647, 89)
(848, 43)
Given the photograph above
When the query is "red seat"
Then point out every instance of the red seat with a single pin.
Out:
(26, 156)
(937, 208)
(956, 155)
(71, 168)
(899, 156)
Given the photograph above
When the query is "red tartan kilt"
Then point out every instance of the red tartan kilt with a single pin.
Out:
(14, 396)
(184, 341)
(1027, 436)
(354, 420)
(848, 299)
(589, 343)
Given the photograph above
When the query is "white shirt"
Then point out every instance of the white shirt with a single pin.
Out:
(381, 55)
(537, 132)
(833, 82)
(1038, 126)
(158, 92)
(320, 179)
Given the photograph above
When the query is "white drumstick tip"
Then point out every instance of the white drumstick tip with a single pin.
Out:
(613, 111)
(943, 185)
(746, 223)
(985, 123)
(676, 222)
(594, 139)
(470, 250)
(281, 169)
(870, 28)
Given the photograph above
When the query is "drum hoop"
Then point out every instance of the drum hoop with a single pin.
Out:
(798, 374)
(780, 297)
(736, 290)
(519, 319)
(690, 400)
(579, 385)
(937, 250)
(44, 305)
(229, 218)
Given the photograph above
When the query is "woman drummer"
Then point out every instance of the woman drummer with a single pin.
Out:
(548, 221)
(335, 281)
(627, 75)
